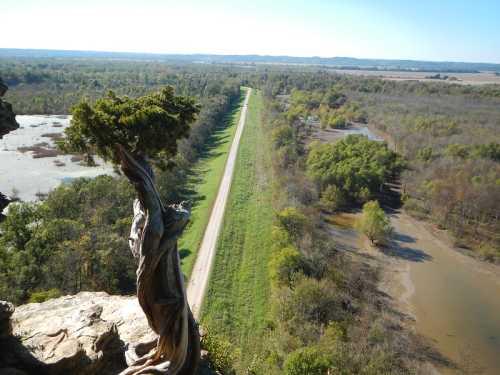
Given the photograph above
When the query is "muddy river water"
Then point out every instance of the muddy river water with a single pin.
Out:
(455, 299)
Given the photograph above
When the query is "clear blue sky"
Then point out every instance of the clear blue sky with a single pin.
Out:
(426, 30)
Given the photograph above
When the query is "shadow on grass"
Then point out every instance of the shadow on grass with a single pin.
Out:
(196, 176)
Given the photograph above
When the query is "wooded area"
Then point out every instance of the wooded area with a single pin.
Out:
(323, 311)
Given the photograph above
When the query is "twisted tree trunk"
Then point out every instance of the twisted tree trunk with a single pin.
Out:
(160, 283)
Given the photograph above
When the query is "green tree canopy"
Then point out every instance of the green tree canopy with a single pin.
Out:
(356, 165)
(374, 223)
(149, 125)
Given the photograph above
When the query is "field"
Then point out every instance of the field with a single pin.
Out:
(481, 78)
(203, 185)
(236, 304)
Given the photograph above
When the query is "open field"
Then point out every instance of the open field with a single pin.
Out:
(204, 184)
(236, 304)
(481, 78)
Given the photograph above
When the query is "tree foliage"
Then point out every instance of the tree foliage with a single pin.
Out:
(374, 223)
(149, 125)
(357, 166)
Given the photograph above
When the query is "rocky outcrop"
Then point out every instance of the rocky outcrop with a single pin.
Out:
(7, 117)
(7, 123)
(87, 333)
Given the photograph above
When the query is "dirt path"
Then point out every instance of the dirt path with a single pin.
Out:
(201, 271)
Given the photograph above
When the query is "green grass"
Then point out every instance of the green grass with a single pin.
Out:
(204, 183)
(236, 304)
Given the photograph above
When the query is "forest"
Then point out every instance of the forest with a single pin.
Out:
(323, 312)
(446, 133)
(76, 239)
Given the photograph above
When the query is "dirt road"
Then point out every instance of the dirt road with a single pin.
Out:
(200, 274)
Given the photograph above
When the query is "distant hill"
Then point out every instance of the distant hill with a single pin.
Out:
(331, 62)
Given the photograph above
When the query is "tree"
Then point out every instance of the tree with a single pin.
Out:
(148, 126)
(355, 164)
(374, 223)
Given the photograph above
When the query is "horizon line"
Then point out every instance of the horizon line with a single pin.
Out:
(247, 54)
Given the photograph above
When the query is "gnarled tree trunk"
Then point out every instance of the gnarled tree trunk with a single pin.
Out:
(160, 283)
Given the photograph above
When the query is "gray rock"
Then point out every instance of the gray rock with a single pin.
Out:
(87, 333)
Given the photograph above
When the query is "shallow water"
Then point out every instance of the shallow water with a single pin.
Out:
(362, 130)
(455, 300)
(31, 176)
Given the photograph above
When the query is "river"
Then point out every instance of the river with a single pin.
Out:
(454, 298)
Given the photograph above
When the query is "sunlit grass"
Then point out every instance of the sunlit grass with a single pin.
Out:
(204, 183)
(237, 302)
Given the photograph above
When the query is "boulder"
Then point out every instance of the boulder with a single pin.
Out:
(88, 333)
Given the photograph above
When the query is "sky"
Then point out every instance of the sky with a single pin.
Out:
(439, 30)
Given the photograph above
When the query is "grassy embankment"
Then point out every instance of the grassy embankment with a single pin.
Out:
(204, 184)
(237, 303)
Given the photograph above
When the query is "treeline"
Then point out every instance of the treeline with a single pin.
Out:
(326, 315)
(282, 82)
(49, 86)
(76, 239)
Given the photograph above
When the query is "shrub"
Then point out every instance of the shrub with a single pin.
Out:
(221, 355)
(489, 253)
(293, 221)
(307, 361)
(284, 264)
(44, 295)
(337, 122)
